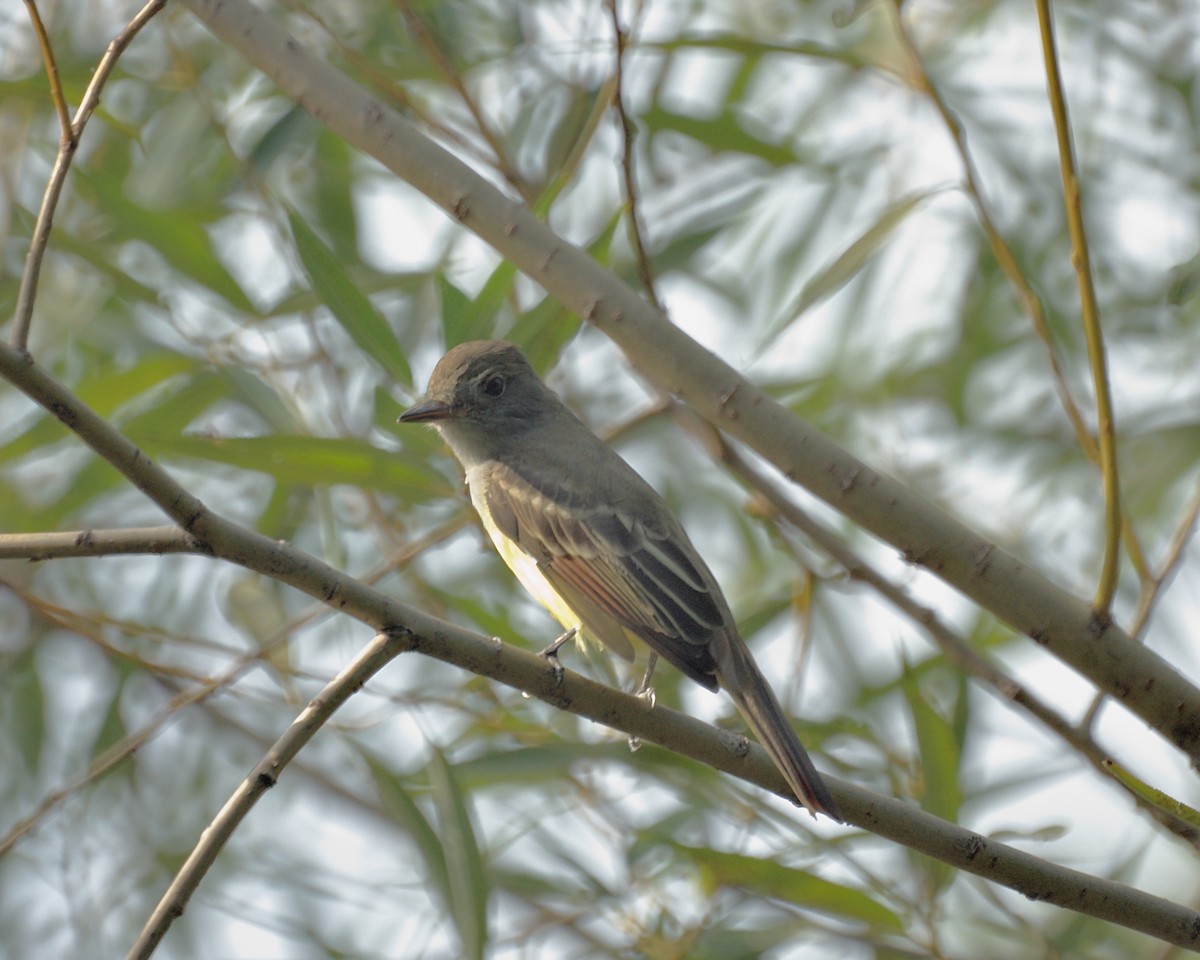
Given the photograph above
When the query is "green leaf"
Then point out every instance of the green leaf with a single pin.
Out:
(769, 879)
(940, 746)
(488, 303)
(543, 331)
(755, 48)
(461, 318)
(112, 730)
(572, 131)
(828, 281)
(399, 804)
(464, 862)
(25, 706)
(295, 126)
(549, 762)
(349, 306)
(721, 134)
(179, 239)
(334, 188)
(263, 399)
(312, 461)
(95, 478)
(104, 393)
(173, 410)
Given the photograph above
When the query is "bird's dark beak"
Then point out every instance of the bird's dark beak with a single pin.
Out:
(427, 410)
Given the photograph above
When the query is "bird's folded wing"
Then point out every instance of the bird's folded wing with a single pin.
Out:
(607, 564)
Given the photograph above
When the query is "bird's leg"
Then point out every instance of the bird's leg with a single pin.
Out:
(551, 654)
(644, 690)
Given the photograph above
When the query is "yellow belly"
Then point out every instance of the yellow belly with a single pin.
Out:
(525, 567)
(611, 635)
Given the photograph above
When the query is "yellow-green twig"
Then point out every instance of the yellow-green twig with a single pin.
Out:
(56, 90)
(1090, 310)
(917, 77)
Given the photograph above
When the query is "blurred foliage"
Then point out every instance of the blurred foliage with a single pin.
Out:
(253, 304)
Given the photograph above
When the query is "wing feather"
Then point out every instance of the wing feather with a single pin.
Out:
(612, 570)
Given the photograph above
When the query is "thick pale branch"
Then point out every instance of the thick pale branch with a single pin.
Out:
(1065, 625)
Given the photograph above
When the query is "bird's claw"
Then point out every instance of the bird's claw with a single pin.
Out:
(550, 654)
(551, 657)
(645, 690)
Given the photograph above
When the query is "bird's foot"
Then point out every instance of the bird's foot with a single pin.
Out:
(645, 691)
(551, 654)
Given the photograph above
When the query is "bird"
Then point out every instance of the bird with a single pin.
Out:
(593, 542)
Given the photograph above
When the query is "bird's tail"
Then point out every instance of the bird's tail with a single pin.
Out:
(755, 700)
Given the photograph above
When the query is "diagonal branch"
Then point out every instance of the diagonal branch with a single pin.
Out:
(1029, 602)
(955, 649)
(410, 629)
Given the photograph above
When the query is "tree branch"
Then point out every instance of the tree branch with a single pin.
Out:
(97, 543)
(1065, 625)
(955, 649)
(374, 657)
(410, 629)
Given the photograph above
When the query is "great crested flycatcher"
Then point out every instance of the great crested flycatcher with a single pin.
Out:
(593, 542)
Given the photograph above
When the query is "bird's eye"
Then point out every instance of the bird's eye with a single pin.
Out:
(494, 386)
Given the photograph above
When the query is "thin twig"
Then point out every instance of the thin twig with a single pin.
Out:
(425, 38)
(97, 543)
(1172, 559)
(1090, 311)
(23, 316)
(123, 749)
(157, 540)
(56, 90)
(628, 134)
(376, 655)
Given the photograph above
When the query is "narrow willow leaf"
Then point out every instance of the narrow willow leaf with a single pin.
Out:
(312, 461)
(847, 265)
(464, 862)
(400, 806)
(767, 878)
(181, 241)
(349, 306)
(940, 747)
